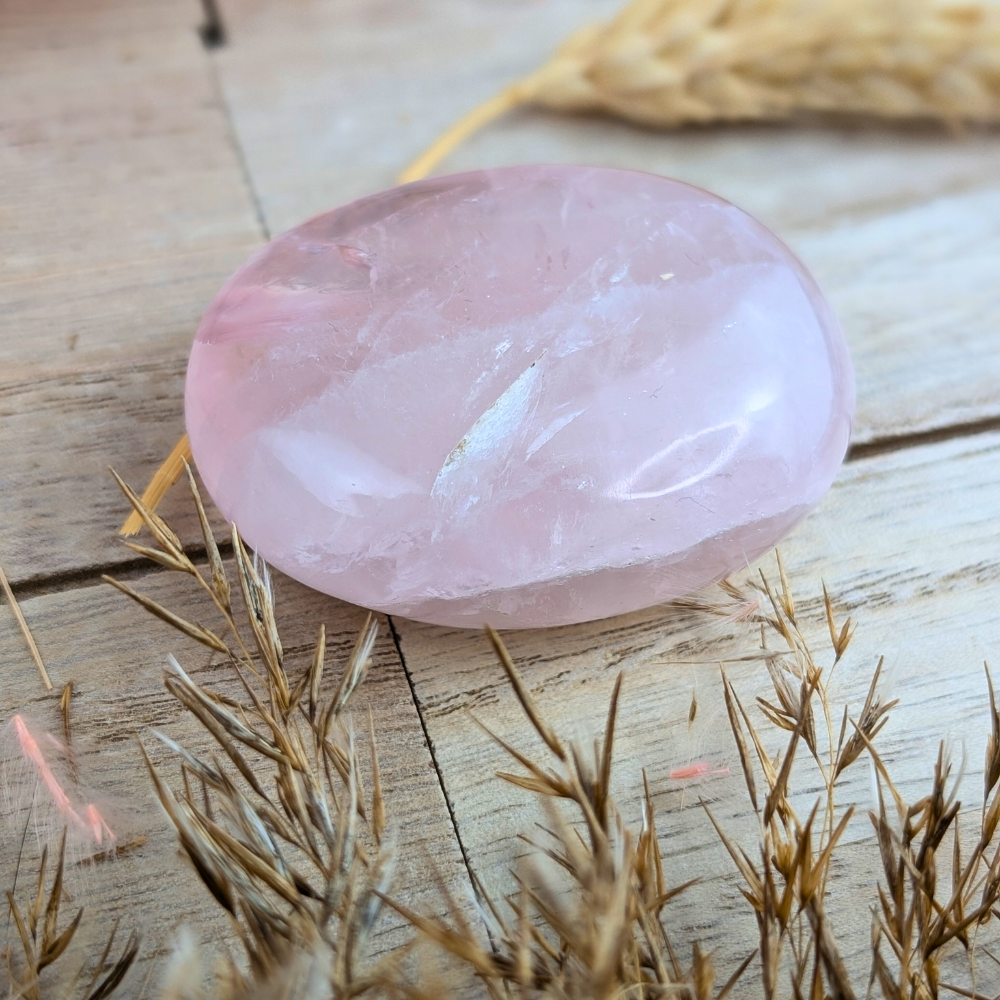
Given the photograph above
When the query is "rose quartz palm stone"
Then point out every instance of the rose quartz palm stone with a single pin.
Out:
(527, 396)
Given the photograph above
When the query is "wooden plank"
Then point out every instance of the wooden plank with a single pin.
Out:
(60, 508)
(115, 654)
(67, 24)
(900, 225)
(907, 542)
(123, 209)
(115, 154)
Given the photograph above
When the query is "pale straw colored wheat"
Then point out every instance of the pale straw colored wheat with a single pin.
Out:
(665, 63)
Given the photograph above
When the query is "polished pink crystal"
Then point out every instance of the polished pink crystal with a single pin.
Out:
(527, 396)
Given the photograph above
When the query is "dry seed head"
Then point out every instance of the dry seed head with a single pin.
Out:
(220, 581)
(668, 62)
(357, 667)
(734, 724)
(674, 62)
(44, 943)
(523, 695)
(197, 632)
(158, 528)
(991, 771)
(874, 715)
(260, 616)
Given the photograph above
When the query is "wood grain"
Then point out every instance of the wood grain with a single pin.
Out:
(908, 543)
(115, 653)
(123, 209)
(901, 226)
(128, 197)
(59, 506)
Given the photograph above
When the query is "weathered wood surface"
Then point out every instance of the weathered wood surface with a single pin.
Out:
(138, 169)
(122, 208)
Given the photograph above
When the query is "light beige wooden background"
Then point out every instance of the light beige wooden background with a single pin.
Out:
(138, 168)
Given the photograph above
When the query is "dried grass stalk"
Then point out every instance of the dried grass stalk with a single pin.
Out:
(605, 937)
(165, 476)
(586, 922)
(667, 62)
(25, 631)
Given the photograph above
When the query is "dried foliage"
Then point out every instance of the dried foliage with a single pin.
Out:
(45, 960)
(43, 943)
(665, 63)
(165, 476)
(275, 819)
(278, 826)
(606, 938)
(914, 917)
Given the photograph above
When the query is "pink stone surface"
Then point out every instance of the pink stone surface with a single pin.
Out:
(527, 396)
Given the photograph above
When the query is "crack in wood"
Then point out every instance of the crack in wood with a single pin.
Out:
(437, 767)
(914, 439)
(212, 30)
(129, 568)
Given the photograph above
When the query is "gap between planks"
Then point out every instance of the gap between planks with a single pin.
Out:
(433, 755)
(52, 583)
(214, 26)
(133, 567)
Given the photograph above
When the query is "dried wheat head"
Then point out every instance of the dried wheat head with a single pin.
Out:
(667, 62)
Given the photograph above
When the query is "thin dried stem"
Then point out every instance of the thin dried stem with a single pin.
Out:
(165, 476)
(25, 631)
(497, 106)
